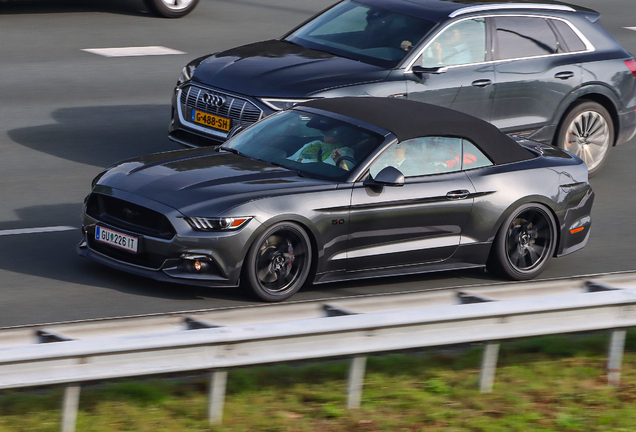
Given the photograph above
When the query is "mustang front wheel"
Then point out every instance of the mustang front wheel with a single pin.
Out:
(278, 262)
(171, 8)
(524, 244)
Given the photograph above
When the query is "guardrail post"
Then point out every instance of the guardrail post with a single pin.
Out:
(617, 345)
(216, 396)
(488, 367)
(69, 408)
(355, 381)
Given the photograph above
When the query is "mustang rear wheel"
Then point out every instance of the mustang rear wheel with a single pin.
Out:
(171, 8)
(278, 262)
(524, 244)
(588, 132)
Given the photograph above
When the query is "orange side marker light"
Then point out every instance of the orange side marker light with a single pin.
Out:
(575, 230)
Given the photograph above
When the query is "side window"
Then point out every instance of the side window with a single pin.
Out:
(461, 43)
(421, 156)
(519, 37)
(573, 42)
(473, 157)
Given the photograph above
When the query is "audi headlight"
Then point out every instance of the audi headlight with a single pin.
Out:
(217, 224)
(188, 70)
(186, 74)
(97, 177)
(281, 104)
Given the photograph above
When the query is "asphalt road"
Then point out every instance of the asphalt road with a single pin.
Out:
(66, 113)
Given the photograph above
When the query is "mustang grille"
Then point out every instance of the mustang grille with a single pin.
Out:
(240, 111)
(128, 216)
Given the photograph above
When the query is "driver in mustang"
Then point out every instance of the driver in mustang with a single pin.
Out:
(330, 150)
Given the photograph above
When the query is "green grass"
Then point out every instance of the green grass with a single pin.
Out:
(542, 384)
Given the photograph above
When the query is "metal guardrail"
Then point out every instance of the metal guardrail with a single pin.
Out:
(478, 319)
(289, 311)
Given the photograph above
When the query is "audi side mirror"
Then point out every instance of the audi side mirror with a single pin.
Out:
(389, 176)
(421, 70)
(235, 131)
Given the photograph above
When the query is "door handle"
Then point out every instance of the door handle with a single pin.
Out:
(564, 75)
(481, 83)
(458, 194)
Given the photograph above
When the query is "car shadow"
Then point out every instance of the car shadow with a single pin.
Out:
(398, 284)
(53, 256)
(120, 7)
(101, 135)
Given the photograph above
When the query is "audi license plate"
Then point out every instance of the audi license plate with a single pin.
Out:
(116, 239)
(210, 120)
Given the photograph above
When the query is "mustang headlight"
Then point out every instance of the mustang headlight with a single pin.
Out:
(217, 224)
(281, 104)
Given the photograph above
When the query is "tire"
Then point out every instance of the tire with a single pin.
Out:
(524, 244)
(587, 131)
(278, 262)
(171, 8)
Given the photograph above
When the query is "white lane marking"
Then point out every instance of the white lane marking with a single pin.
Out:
(133, 51)
(36, 230)
(630, 28)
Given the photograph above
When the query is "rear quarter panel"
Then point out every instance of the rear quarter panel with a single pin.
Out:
(559, 182)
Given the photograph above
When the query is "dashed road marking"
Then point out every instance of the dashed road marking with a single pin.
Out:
(133, 51)
(630, 28)
(36, 230)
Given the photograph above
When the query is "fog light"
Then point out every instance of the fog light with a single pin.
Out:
(195, 263)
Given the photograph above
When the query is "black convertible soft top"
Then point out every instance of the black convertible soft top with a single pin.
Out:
(409, 119)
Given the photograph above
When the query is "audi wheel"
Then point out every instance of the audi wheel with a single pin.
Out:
(171, 8)
(588, 132)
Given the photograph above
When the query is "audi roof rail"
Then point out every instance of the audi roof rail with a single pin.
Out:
(480, 8)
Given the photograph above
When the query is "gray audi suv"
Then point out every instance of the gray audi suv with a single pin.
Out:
(546, 72)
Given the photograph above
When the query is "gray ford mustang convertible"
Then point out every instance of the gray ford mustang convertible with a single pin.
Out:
(339, 189)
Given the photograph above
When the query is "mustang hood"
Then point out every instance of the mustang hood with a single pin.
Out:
(203, 182)
(282, 69)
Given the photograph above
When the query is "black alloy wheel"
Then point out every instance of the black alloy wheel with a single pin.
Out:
(525, 243)
(278, 262)
(171, 8)
(588, 132)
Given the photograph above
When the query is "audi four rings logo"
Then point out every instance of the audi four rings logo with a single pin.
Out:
(211, 99)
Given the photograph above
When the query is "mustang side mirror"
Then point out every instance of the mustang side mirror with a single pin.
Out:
(389, 176)
(235, 131)
(421, 70)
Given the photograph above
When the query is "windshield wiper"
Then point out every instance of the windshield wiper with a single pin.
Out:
(287, 168)
(232, 150)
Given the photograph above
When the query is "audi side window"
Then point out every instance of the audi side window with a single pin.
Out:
(461, 43)
(421, 156)
(573, 42)
(519, 37)
(472, 157)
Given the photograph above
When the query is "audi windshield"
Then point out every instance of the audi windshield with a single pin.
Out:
(366, 33)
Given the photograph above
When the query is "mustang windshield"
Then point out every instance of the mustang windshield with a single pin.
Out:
(366, 33)
(311, 144)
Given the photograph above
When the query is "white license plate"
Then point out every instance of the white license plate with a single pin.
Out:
(116, 239)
